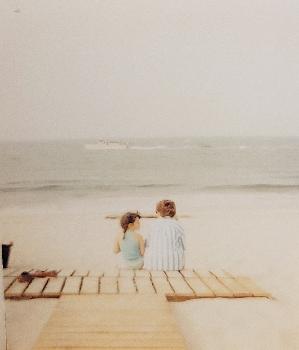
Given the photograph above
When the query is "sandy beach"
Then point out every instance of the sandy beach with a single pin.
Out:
(111, 106)
(255, 234)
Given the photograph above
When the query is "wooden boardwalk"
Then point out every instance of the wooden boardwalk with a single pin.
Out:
(102, 322)
(175, 285)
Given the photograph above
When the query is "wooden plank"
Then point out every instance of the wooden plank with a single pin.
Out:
(126, 273)
(219, 273)
(142, 273)
(108, 285)
(54, 287)
(157, 273)
(108, 321)
(125, 340)
(90, 285)
(237, 289)
(200, 289)
(132, 322)
(231, 283)
(180, 286)
(113, 272)
(95, 273)
(109, 348)
(214, 283)
(188, 273)
(107, 328)
(250, 285)
(66, 272)
(162, 285)
(144, 285)
(72, 285)
(80, 272)
(218, 288)
(173, 274)
(36, 287)
(16, 289)
(8, 281)
(126, 285)
(201, 272)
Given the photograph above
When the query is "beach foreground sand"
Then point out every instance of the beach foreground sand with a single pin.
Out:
(255, 234)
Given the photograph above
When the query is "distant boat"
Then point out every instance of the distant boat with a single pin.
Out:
(105, 145)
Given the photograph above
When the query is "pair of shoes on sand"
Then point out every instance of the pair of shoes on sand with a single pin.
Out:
(29, 276)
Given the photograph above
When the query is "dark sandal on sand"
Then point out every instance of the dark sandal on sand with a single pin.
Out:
(25, 277)
(29, 276)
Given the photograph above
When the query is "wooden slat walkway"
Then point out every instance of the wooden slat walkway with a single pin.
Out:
(16, 290)
(54, 287)
(36, 287)
(72, 285)
(175, 285)
(90, 285)
(131, 322)
(7, 282)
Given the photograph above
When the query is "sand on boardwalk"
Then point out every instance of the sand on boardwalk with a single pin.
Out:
(255, 234)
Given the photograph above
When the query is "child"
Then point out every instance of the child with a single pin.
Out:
(165, 243)
(129, 242)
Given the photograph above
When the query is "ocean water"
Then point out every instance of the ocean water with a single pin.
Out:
(149, 166)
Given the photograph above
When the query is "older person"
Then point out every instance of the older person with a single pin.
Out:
(165, 244)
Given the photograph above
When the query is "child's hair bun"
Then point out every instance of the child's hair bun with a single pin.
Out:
(128, 218)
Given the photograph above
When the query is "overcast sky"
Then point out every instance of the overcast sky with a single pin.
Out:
(86, 68)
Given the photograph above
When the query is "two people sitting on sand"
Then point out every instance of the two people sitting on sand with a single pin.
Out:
(164, 247)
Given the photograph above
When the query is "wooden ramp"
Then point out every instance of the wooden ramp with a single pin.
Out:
(139, 322)
(175, 285)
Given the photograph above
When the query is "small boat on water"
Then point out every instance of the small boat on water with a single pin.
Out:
(105, 145)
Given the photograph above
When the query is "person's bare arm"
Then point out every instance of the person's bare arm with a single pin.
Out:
(116, 247)
(141, 244)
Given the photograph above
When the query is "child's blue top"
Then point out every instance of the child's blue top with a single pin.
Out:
(129, 247)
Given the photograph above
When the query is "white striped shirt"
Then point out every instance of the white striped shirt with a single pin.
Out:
(165, 245)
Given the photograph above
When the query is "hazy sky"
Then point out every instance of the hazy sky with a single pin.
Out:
(87, 68)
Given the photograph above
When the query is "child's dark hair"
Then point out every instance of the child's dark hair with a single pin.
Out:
(166, 207)
(128, 218)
